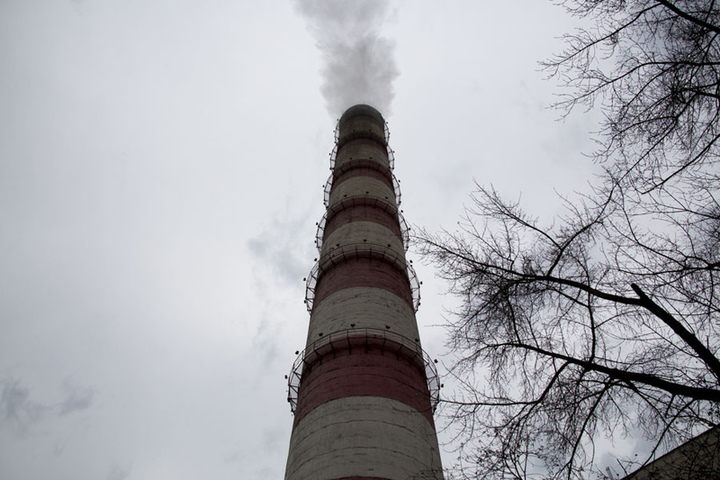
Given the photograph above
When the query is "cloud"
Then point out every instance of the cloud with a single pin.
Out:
(118, 473)
(358, 63)
(20, 412)
(17, 409)
(76, 399)
(265, 341)
(278, 249)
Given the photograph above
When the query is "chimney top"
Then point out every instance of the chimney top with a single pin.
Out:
(362, 109)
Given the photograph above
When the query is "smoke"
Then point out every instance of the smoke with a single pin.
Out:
(358, 64)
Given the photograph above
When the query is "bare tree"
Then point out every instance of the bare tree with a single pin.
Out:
(607, 322)
(653, 65)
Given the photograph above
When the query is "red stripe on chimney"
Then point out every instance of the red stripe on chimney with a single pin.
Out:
(363, 269)
(365, 168)
(362, 210)
(363, 366)
(368, 138)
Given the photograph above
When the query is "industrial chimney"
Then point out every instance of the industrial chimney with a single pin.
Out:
(363, 391)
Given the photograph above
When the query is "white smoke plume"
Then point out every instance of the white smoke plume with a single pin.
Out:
(358, 64)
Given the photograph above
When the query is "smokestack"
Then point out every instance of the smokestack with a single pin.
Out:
(363, 391)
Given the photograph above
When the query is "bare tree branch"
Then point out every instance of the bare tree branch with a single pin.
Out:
(606, 322)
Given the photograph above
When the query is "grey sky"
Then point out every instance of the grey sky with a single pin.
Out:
(161, 172)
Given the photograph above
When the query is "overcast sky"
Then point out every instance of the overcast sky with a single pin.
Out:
(161, 173)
